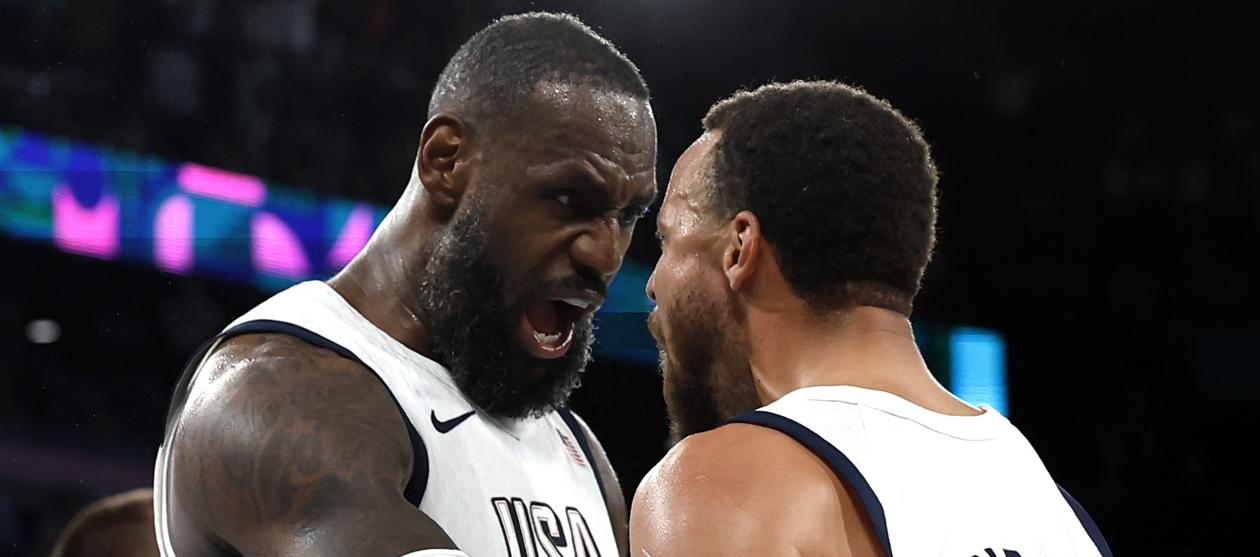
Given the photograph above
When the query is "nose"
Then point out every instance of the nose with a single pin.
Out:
(651, 285)
(599, 250)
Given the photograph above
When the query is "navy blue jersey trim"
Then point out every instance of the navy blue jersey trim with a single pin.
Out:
(580, 434)
(840, 464)
(414, 490)
(1088, 522)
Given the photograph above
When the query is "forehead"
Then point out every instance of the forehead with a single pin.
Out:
(590, 108)
(606, 129)
(686, 199)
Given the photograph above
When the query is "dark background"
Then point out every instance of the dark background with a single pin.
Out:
(1100, 179)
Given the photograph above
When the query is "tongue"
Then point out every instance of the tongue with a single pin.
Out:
(542, 317)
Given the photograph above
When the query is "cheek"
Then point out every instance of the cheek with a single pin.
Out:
(678, 275)
(670, 271)
(522, 256)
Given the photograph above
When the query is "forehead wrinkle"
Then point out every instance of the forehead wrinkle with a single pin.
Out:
(626, 179)
(686, 201)
(682, 213)
(568, 143)
(621, 187)
(606, 171)
(611, 134)
(691, 215)
(622, 126)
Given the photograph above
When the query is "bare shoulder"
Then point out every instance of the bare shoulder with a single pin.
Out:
(266, 388)
(744, 489)
(733, 463)
(276, 429)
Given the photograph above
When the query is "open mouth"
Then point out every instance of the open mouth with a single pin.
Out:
(547, 323)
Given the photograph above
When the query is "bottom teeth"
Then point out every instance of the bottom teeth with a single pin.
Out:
(546, 339)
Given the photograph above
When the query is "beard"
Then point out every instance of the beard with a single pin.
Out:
(707, 376)
(470, 326)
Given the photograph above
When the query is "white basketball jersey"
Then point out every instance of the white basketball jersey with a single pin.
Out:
(512, 488)
(934, 484)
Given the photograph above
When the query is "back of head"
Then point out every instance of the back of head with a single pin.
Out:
(843, 184)
(120, 525)
(495, 73)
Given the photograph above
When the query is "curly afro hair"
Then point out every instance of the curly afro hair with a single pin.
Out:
(843, 184)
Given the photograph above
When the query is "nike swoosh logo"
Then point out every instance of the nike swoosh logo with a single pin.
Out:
(448, 425)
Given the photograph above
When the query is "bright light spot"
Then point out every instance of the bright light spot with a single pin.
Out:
(978, 367)
(43, 331)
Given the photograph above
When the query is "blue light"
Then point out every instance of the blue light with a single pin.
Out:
(190, 219)
(977, 361)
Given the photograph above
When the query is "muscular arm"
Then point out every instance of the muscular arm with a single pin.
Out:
(287, 449)
(746, 490)
(614, 498)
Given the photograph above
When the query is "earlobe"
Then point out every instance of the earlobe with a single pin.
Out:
(743, 251)
(443, 147)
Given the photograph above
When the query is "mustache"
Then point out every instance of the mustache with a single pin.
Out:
(577, 280)
(654, 327)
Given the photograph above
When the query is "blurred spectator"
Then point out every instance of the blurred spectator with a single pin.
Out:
(116, 526)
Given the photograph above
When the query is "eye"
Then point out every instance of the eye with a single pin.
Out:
(564, 197)
(631, 215)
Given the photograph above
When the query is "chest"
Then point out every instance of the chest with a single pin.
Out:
(527, 491)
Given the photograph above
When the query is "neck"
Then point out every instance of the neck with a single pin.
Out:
(864, 346)
(381, 282)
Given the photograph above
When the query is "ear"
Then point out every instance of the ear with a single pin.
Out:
(745, 247)
(444, 148)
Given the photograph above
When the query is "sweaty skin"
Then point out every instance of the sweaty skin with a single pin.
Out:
(291, 449)
(285, 448)
(741, 489)
(746, 490)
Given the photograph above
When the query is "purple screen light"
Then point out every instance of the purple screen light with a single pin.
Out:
(276, 249)
(179, 217)
(173, 235)
(222, 184)
(86, 230)
(354, 235)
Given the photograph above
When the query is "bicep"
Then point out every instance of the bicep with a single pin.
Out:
(680, 524)
(295, 455)
(715, 494)
(384, 528)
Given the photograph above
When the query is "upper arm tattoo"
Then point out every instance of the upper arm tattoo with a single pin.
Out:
(283, 435)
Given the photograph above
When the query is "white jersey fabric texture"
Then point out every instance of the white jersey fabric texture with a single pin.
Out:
(511, 488)
(935, 484)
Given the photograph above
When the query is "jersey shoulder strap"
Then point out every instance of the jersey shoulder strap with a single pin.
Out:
(835, 459)
(414, 491)
(579, 433)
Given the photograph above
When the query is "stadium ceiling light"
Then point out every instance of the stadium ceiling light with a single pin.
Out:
(43, 331)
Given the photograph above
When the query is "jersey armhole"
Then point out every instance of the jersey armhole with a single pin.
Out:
(580, 434)
(419, 477)
(1087, 522)
(835, 459)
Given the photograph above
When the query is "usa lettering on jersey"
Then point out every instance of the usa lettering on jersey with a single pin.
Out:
(537, 530)
(989, 552)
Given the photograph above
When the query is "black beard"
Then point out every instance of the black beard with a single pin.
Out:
(471, 330)
(710, 381)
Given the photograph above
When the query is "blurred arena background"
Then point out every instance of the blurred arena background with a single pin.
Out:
(166, 164)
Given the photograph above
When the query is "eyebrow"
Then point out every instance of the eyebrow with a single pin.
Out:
(596, 187)
(641, 202)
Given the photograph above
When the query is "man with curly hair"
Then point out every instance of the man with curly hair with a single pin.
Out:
(794, 235)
